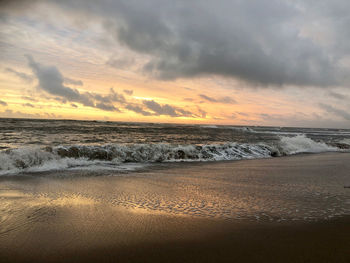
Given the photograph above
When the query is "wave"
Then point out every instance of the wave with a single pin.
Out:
(345, 141)
(303, 144)
(115, 156)
(209, 126)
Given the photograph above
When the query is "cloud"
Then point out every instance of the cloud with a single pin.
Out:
(202, 113)
(106, 107)
(137, 109)
(29, 98)
(207, 98)
(120, 63)
(160, 110)
(52, 81)
(189, 88)
(273, 117)
(128, 91)
(23, 76)
(181, 112)
(337, 95)
(299, 119)
(53, 115)
(73, 82)
(232, 116)
(28, 105)
(166, 109)
(3, 103)
(110, 98)
(18, 114)
(338, 112)
(242, 114)
(265, 42)
(225, 100)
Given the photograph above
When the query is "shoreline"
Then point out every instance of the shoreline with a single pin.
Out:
(151, 166)
(182, 213)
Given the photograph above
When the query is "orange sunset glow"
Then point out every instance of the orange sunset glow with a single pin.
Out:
(57, 63)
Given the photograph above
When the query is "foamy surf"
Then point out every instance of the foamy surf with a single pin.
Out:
(345, 141)
(302, 144)
(133, 156)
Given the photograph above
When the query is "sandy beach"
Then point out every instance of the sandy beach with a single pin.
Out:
(288, 209)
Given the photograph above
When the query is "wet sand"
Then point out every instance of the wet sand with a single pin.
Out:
(292, 209)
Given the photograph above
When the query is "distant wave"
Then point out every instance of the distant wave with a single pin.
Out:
(209, 126)
(33, 159)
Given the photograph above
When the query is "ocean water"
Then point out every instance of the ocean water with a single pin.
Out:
(47, 145)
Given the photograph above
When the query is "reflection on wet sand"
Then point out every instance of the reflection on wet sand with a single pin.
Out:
(177, 202)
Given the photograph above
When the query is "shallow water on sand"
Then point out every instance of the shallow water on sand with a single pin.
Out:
(298, 188)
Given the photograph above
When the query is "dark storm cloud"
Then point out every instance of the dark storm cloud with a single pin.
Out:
(335, 111)
(265, 42)
(225, 100)
(3, 103)
(166, 109)
(23, 76)
(260, 41)
(52, 81)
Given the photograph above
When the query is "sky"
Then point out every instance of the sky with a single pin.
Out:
(230, 62)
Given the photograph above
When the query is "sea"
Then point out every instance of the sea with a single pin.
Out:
(37, 145)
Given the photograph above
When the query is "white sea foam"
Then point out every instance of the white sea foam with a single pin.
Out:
(122, 156)
(302, 144)
(345, 141)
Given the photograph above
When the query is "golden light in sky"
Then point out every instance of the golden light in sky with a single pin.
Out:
(81, 61)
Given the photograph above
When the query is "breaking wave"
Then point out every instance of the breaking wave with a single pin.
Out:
(302, 144)
(114, 156)
(345, 141)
